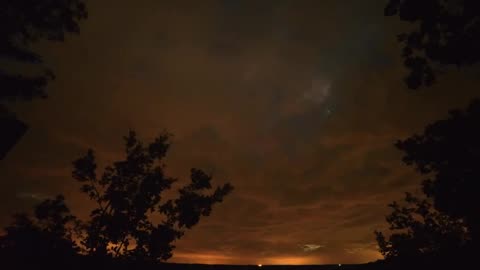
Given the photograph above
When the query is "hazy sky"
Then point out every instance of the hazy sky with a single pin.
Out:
(296, 103)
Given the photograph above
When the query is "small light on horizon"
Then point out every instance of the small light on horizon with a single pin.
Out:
(339, 265)
(259, 265)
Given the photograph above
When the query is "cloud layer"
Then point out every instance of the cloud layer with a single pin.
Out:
(296, 103)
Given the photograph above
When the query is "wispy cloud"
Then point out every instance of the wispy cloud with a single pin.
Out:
(311, 247)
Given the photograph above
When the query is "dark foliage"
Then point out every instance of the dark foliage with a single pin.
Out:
(121, 227)
(447, 32)
(12, 130)
(129, 192)
(417, 230)
(444, 226)
(448, 154)
(22, 23)
(47, 235)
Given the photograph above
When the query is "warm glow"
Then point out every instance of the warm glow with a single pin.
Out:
(292, 260)
(217, 258)
(203, 258)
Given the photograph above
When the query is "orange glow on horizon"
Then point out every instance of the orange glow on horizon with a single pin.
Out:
(202, 258)
(291, 260)
(212, 258)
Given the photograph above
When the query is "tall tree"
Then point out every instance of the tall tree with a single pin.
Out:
(131, 218)
(447, 154)
(446, 32)
(22, 23)
(130, 191)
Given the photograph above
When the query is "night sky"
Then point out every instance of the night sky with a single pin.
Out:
(296, 103)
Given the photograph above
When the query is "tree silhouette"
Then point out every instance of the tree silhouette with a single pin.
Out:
(22, 23)
(12, 130)
(447, 32)
(48, 234)
(127, 195)
(448, 153)
(129, 192)
(446, 220)
(418, 230)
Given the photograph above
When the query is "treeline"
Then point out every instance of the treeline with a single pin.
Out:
(440, 228)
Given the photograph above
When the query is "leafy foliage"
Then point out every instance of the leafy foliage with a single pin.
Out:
(447, 32)
(448, 154)
(49, 233)
(446, 220)
(129, 191)
(417, 230)
(127, 194)
(23, 22)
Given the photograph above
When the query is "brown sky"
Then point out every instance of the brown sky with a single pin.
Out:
(296, 103)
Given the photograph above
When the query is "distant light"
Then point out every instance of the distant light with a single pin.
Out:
(339, 264)
(259, 265)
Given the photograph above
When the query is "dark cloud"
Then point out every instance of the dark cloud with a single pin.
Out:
(297, 103)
